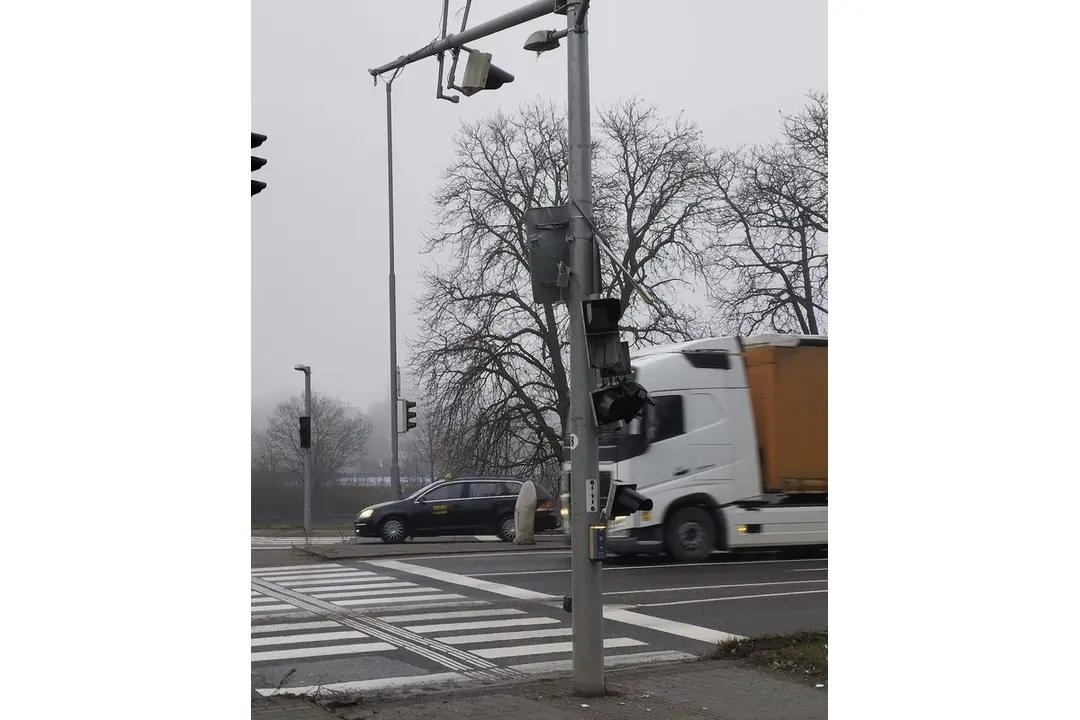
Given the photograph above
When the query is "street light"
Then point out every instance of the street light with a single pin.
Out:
(305, 444)
(542, 41)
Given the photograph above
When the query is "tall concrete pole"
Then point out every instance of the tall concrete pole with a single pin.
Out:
(309, 460)
(395, 467)
(588, 609)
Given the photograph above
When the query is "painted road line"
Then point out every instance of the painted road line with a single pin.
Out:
(482, 624)
(735, 597)
(465, 580)
(712, 587)
(665, 566)
(553, 666)
(505, 636)
(488, 538)
(398, 590)
(288, 627)
(501, 553)
(263, 600)
(331, 585)
(824, 569)
(307, 637)
(285, 568)
(398, 600)
(671, 627)
(295, 613)
(328, 583)
(360, 686)
(293, 653)
(548, 648)
(344, 573)
(438, 600)
(320, 569)
(495, 612)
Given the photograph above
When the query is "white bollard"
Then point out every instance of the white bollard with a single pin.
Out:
(525, 515)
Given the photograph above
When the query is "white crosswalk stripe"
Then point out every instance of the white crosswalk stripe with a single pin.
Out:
(443, 622)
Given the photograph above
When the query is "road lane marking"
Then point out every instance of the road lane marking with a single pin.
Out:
(343, 586)
(480, 625)
(671, 627)
(306, 638)
(355, 649)
(309, 578)
(283, 568)
(824, 569)
(548, 648)
(505, 636)
(495, 612)
(294, 613)
(286, 627)
(713, 587)
(665, 566)
(735, 597)
(399, 599)
(465, 580)
(553, 666)
(387, 588)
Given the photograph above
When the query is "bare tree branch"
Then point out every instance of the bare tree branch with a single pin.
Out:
(338, 438)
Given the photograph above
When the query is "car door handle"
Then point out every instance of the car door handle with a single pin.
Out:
(681, 471)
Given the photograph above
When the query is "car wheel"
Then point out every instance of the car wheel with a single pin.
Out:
(691, 535)
(507, 529)
(392, 530)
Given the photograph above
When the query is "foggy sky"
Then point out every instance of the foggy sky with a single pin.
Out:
(319, 230)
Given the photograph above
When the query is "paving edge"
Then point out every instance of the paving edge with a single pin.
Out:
(459, 684)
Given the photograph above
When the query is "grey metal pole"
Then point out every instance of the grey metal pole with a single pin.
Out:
(309, 460)
(588, 610)
(532, 11)
(395, 469)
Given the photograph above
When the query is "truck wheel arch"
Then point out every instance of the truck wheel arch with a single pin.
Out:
(703, 501)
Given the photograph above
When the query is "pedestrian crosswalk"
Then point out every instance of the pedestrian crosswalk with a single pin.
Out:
(319, 613)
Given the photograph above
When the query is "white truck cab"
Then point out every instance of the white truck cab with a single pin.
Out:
(697, 455)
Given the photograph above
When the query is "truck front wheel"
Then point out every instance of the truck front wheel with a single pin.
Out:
(691, 534)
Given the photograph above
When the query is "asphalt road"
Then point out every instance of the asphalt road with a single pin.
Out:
(378, 623)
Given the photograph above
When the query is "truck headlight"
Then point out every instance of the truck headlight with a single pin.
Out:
(365, 514)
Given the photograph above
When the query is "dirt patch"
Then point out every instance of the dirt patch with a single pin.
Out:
(799, 655)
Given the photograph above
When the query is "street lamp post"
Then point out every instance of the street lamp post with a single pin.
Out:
(308, 459)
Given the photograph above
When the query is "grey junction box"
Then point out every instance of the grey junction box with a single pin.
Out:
(546, 231)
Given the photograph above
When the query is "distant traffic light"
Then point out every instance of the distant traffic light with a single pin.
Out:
(406, 415)
(624, 499)
(480, 74)
(257, 162)
(305, 431)
(619, 403)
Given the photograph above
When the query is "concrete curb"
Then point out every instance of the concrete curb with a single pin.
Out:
(348, 552)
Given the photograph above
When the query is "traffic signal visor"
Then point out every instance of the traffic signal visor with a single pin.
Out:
(624, 500)
(619, 403)
(480, 74)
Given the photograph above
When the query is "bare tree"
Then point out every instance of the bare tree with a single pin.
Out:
(487, 350)
(338, 438)
(768, 263)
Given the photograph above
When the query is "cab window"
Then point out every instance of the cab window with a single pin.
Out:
(443, 492)
(665, 419)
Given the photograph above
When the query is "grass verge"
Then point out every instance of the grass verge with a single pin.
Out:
(804, 654)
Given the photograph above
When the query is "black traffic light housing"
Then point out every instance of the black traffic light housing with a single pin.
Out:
(407, 417)
(617, 403)
(257, 162)
(305, 431)
(480, 74)
(624, 500)
(607, 353)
